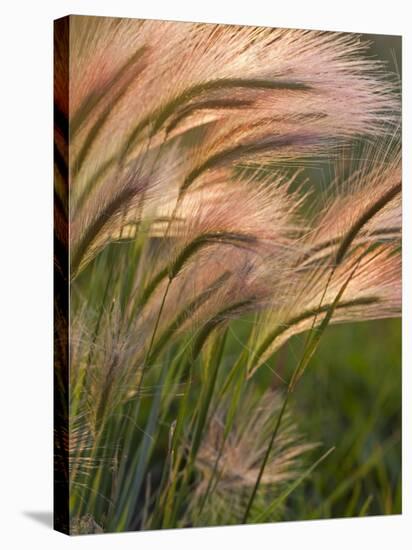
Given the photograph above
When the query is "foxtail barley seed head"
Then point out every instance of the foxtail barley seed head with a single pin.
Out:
(231, 461)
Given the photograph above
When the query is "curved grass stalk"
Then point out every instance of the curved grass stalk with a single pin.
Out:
(364, 219)
(93, 100)
(387, 234)
(172, 270)
(210, 104)
(315, 312)
(242, 150)
(219, 319)
(90, 105)
(93, 182)
(99, 223)
(161, 115)
(186, 313)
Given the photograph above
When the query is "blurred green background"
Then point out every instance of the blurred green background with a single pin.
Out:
(350, 399)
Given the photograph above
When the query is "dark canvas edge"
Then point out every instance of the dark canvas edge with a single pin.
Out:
(61, 516)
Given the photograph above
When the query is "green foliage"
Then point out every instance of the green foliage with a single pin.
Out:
(140, 470)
